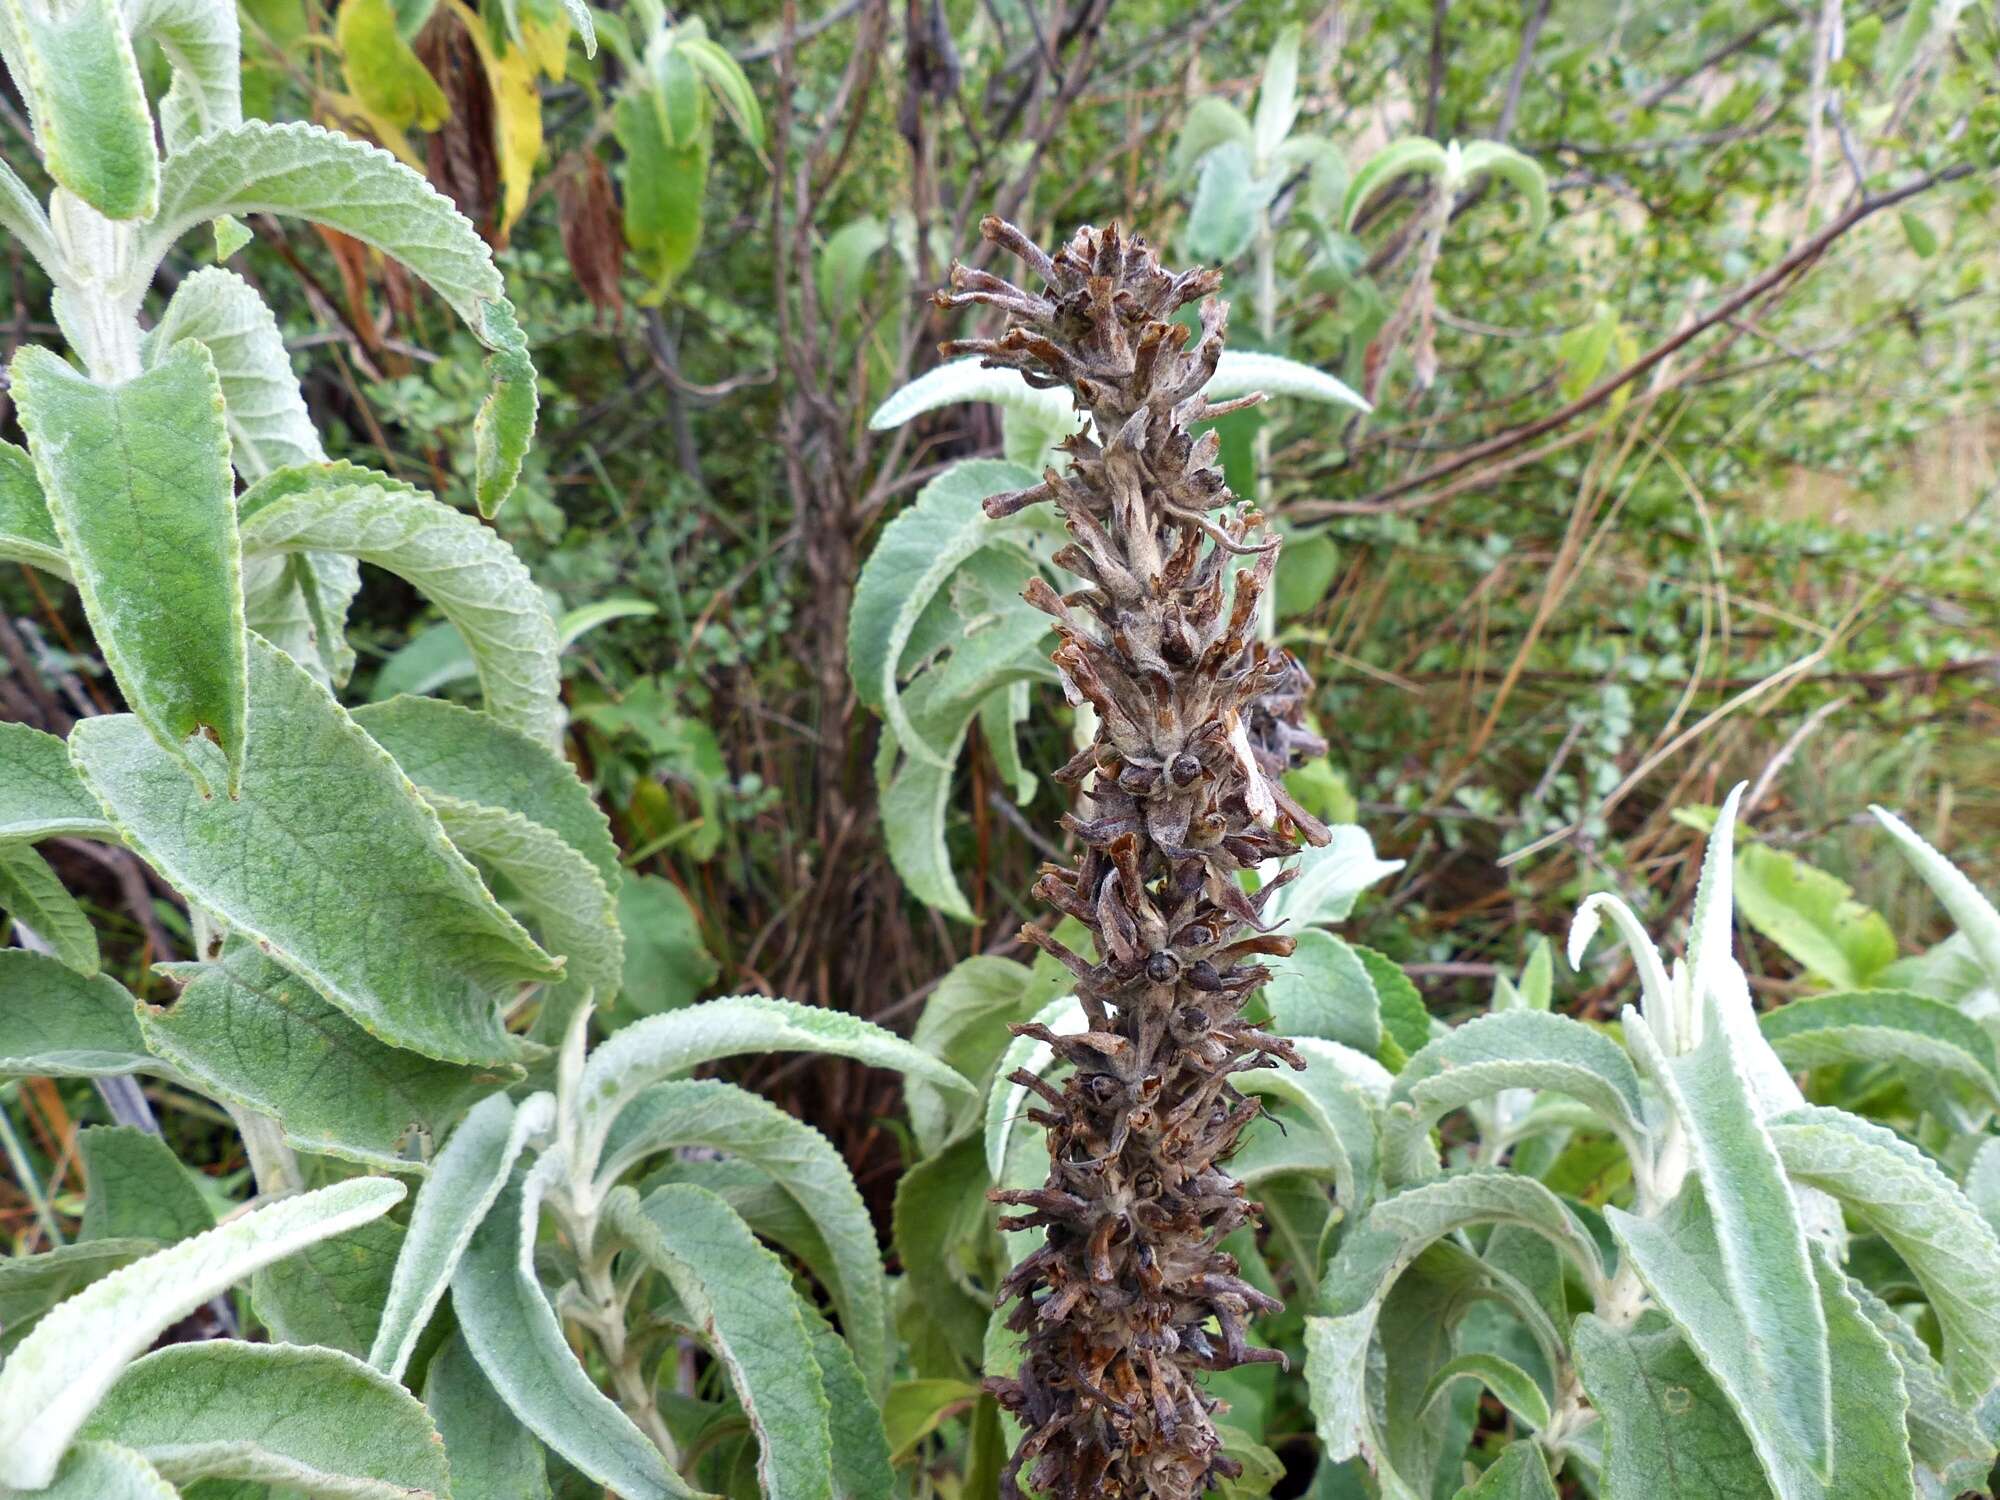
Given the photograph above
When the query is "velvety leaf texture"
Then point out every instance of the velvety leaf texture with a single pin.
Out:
(332, 859)
(137, 480)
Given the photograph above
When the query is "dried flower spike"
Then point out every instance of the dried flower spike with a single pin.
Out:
(1129, 1297)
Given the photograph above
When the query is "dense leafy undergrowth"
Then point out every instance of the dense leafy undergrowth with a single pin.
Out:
(551, 1012)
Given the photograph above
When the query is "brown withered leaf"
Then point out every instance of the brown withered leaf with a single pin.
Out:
(464, 160)
(593, 234)
(350, 257)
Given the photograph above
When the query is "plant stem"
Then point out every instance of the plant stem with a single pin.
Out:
(24, 1173)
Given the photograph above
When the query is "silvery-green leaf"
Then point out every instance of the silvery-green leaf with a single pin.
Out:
(203, 44)
(1341, 1109)
(1238, 374)
(74, 66)
(266, 416)
(512, 1332)
(1900, 1193)
(1982, 1182)
(964, 1025)
(739, 1296)
(941, 1208)
(466, 1180)
(387, 920)
(1512, 1049)
(1672, 1434)
(1661, 1403)
(1812, 916)
(56, 1376)
(33, 895)
(912, 560)
(136, 1188)
(1405, 1021)
(493, 1457)
(1408, 154)
(1278, 92)
(1511, 1385)
(1976, 917)
(462, 567)
(573, 913)
(1006, 1100)
(137, 480)
(1737, 1276)
(1877, 1026)
(32, 1284)
(364, 192)
(315, 1421)
(1519, 1473)
(1522, 172)
(332, 1292)
(860, 1445)
(22, 216)
(662, 1047)
(722, 1117)
(1946, 1439)
(1228, 197)
(27, 531)
(1322, 989)
(1381, 1247)
(40, 795)
(1211, 121)
(57, 1023)
(1331, 877)
(445, 747)
(105, 1471)
(249, 1031)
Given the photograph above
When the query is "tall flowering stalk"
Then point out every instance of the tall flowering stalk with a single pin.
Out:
(1129, 1296)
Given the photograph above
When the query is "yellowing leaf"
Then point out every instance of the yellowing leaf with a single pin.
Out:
(383, 72)
(517, 115)
(547, 44)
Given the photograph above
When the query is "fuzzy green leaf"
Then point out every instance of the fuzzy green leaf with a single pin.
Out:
(1877, 1026)
(105, 1471)
(137, 481)
(331, 1293)
(22, 216)
(493, 1457)
(250, 1031)
(1673, 1433)
(75, 66)
(1331, 877)
(33, 895)
(27, 531)
(32, 1284)
(1278, 92)
(1514, 1387)
(1322, 989)
(964, 1025)
(57, 1375)
(314, 1421)
(1519, 1473)
(739, 1296)
(662, 1047)
(512, 1332)
(1899, 1192)
(444, 747)
(136, 1188)
(40, 795)
(385, 919)
(573, 914)
(58, 1023)
(722, 1117)
(203, 45)
(365, 192)
(1976, 917)
(266, 416)
(464, 568)
(1409, 154)
(1738, 1278)
(466, 1180)
(1520, 1049)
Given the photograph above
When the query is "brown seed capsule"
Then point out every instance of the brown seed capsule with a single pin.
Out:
(1116, 1302)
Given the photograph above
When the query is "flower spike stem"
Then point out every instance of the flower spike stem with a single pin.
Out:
(1129, 1296)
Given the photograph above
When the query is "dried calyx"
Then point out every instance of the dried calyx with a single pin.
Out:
(1129, 1296)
